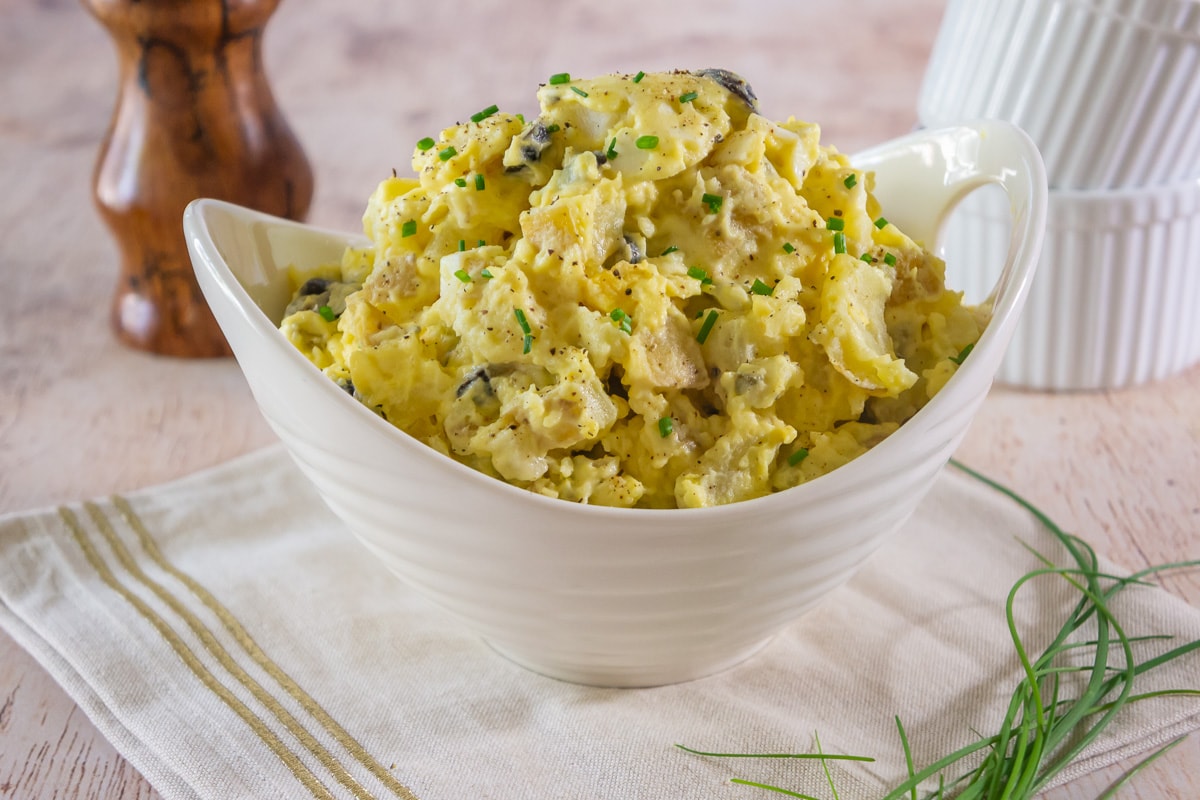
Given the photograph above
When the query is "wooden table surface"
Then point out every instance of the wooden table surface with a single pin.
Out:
(81, 416)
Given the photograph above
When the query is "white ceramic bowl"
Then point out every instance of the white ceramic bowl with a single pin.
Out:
(616, 597)
(1116, 296)
(1108, 89)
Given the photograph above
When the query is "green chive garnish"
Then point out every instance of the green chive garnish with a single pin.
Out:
(553, 128)
(482, 115)
(798, 456)
(448, 153)
(462, 245)
(966, 351)
(688, 97)
(665, 426)
(463, 275)
(638, 78)
(707, 327)
(839, 242)
(481, 243)
(890, 260)
(699, 274)
(486, 273)
(867, 257)
(579, 91)
(611, 152)
(788, 247)
(835, 224)
(479, 183)
(326, 313)
(616, 315)
(560, 77)
(425, 144)
(460, 182)
(713, 201)
(409, 228)
(669, 250)
(850, 181)
(758, 287)
(646, 142)
(881, 223)
(524, 323)
(623, 320)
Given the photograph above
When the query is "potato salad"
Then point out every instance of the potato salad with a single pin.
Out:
(648, 295)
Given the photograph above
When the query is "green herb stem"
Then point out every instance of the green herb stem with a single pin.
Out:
(707, 326)
(1111, 791)
(713, 201)
(800, 756)
(1043, 731)
(775, 789)
(527, 341)
(482, 115)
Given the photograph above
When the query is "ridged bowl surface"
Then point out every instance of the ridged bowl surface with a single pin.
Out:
(615, 597)
(1115, 300)
(1109, 90)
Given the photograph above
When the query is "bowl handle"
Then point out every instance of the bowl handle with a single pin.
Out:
(921, 177)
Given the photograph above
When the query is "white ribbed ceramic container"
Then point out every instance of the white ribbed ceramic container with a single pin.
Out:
(1108, 89)
(617, 597)
(1116, 301)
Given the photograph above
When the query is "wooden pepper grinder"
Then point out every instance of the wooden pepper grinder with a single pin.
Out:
(194, 118)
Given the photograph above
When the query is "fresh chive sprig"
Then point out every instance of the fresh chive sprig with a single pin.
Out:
(1043, 729)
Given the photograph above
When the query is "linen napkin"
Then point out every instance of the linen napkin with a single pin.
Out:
(232, 639)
